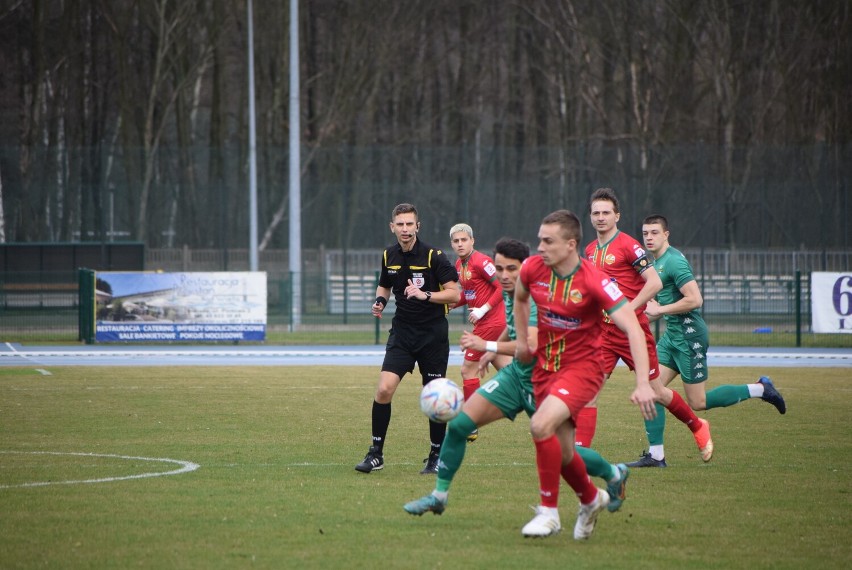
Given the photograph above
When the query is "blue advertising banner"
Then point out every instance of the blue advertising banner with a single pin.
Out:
(155, 307)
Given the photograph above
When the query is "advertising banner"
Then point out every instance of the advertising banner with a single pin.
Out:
(156, 307)
(831, 302)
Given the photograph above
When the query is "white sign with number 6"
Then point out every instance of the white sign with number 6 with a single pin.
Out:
(831, 302)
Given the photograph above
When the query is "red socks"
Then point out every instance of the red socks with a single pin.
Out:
(469, 386)
(577, 477)
(585, 422)
(548, 459)
(681, 410)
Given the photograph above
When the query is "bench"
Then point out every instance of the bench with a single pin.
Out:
(744, 294)
(38, 295)
(353, 294)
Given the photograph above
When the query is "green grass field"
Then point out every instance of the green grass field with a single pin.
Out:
(276, 486)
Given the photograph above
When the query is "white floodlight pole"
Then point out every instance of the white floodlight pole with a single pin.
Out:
(252, 157)
(295, 169)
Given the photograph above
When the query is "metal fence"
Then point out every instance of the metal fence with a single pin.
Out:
(758, 298)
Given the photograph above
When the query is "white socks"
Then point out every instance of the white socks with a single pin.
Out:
(657, 452)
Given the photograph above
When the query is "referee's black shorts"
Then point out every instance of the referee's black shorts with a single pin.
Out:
(427, 345)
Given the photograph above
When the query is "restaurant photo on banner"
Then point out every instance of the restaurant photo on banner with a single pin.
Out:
(152, 307)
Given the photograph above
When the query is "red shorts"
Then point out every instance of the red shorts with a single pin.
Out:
(614, 345)
(486, 332)
(575, 384)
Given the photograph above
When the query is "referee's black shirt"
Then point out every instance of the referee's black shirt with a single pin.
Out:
(428, 268)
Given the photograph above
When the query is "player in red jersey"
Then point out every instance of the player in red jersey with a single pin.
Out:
(482, 293)
(623, 259)
(570, 294)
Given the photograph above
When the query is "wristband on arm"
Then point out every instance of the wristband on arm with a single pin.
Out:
(491, 346)
(381, 301)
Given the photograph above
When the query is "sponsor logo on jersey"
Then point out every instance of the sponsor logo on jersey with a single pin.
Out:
(469, 294)
(611, 289)
(560, 322)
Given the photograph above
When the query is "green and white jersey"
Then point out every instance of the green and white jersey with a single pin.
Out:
(675, 271)
(509, 303)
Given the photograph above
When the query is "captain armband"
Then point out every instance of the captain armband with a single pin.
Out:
(642, 263)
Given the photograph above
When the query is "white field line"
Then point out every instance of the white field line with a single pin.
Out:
(400, 463)
(779, 355)
(141, 353)
(230, 353)
(185, 467)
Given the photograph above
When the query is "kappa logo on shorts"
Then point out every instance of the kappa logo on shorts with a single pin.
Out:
(563, 391)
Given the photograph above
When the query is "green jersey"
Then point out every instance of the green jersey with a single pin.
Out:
(509, 303)
(511, 390)
(675, 272)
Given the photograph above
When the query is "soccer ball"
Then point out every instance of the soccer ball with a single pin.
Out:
(441, 400)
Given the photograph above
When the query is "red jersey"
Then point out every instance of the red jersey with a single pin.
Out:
(623, 259)
(569, 311)
(479, 284)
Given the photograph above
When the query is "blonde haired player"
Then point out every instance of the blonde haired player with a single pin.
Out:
(482, 294)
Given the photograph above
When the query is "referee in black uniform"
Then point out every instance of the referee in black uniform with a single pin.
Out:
(424, 284)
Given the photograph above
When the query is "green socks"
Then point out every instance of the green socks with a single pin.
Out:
(452, 451)
(727, 395)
